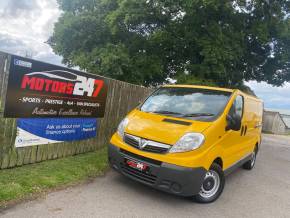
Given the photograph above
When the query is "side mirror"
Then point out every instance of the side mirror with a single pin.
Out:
(233, 122)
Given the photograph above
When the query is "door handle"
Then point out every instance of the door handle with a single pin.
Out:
(242, 131)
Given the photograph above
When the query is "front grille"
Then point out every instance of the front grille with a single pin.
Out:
(155, 149)
(151, 146)
(131, 141)
(143, 176)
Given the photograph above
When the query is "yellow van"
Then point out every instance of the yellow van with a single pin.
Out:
(184, 139)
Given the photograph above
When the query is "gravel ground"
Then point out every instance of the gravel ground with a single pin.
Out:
(262, 192)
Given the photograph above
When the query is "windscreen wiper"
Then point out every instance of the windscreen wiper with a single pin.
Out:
(199, 115)
(165, 112)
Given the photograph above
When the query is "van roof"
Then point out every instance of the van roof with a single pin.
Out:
(201, 87)
(214, 88)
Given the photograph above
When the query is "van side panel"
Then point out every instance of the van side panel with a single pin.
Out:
(253, 123)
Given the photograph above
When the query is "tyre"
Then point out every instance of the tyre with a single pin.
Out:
(251, 163)
(212, 186)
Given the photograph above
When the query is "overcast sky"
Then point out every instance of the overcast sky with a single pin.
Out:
(25, 26)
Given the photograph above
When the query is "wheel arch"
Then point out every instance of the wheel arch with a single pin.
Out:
(219, 161)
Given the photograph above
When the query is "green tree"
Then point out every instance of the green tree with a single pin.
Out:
(218, 42)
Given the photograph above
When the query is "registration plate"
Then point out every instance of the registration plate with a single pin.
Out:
(137, 165)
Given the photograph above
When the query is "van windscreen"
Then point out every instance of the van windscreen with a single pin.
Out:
(191, 103)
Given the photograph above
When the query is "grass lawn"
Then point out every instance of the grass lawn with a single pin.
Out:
(31, 180)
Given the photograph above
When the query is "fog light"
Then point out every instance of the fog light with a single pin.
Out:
(175, 187)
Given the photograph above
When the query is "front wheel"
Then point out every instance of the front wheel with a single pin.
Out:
(212, 186)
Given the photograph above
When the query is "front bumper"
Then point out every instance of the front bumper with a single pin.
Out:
(170, 178)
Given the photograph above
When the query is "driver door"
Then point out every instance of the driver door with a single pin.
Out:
(233, 141)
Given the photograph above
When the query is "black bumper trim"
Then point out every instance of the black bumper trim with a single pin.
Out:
(167, 177)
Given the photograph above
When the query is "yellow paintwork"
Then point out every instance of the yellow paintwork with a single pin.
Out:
(230, 146)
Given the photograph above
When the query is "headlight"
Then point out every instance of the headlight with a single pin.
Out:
(122, 126)
(188, 142)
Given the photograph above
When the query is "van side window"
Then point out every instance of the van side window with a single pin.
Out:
(238, 106)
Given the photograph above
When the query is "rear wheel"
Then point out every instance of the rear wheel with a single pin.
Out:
(212, 186)
(251, 163)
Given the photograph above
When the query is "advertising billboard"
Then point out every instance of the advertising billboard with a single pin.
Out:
(38, 131)
(37, 89)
